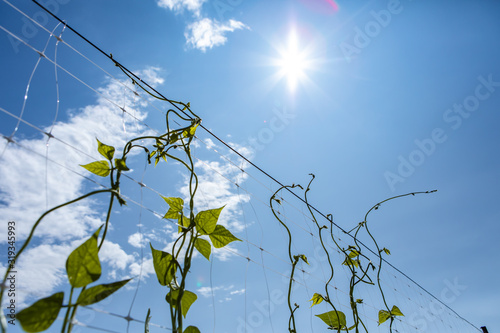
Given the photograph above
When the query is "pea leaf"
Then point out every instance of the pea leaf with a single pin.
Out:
(383, 316)
(83, 266)
(192, 329)
(353, 254)
(188, 133)
(105, 150)
(396, 312)
(207, 220)
(204, 247)
(351, 262)
(183, 222)
(41, 314)
(164, 265)
(316, 299)
(386, 251)
(220, 237)
(100, 168)
(173, 138)
(304, 258)
(176, 206)
(120, 164)
(334, 319)
(100, 292)
(188, 298)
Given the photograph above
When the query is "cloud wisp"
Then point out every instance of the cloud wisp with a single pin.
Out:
(178, 6)
(208, 33)
(204, 33)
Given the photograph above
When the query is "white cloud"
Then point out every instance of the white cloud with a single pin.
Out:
(206, 33)
(178, 6)
(208, 291)
(116, 257)
(138, 240)
(237, 292)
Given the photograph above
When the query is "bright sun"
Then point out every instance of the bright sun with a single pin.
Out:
(293, 62)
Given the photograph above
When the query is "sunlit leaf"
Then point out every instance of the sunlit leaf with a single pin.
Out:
(304, 258)
(207, 220)
(316, 299)
(386, 251)
(353, 254)
(176, 205)
(164, 265)
(204, 247)
(188, 298)
(220, 237)
(383, 315)
(188, 133)
(83, 266)
(120, 164)
(334, 319)
(100, 168)
(351, 262)
(183, 222)
(301, 256)
(98, 293)
(396, 312)
(105, 150)
(40, 316)
(192, 329)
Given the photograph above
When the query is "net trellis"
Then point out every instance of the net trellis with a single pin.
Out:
(259, 266)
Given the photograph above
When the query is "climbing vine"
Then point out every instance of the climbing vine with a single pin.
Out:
(198, 231)
(359, 264)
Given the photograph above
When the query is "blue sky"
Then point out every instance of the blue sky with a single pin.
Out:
(376, 98)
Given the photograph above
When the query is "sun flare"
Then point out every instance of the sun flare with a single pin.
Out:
(293, 62)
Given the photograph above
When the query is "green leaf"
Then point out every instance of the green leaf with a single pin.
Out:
(83, 266)
(316, 299)
(206, 220)
(173, 138)
(40, 316)
(182, 221)
(334, 319)
(176, 205)
(100, 168)
(164, 265)
(300, 256)
(146, 322)
(383, 316)
(396, 312)
(105, 150)
(192, 329)
(100, 292)
(220, 237)
(350, 262)
(120, 164)
(171, 214)
(188, 133)
(353, 254)
(304, 258)
(188, 298)
(359, 300)
(204, 247)
(386, 251)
